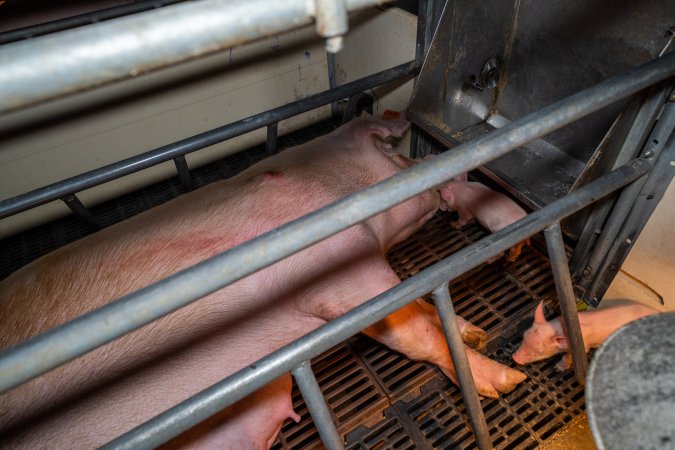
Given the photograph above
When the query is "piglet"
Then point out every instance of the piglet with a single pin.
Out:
(546, 338)
(493, 210)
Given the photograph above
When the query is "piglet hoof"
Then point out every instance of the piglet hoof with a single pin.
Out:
(516, 250)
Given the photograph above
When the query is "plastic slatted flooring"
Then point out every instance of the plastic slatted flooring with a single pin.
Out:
(379, 398)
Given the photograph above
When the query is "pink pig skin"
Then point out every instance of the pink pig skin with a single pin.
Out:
(546, 338)
(493, 210)
(112, 389)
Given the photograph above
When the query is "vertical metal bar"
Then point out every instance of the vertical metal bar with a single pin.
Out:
(317, 406)
(271, 144)
(568, 304)
(80, 210)
(428, 15)
(651, 193)
(183, 172)
(332, 80)
(351, 108)
(606, 246)
(639, 131)
(446, 312)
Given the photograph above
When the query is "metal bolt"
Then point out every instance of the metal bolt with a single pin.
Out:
(672, 163)
(628, 241)
(334, 44)
(648, 154)
(597, 232)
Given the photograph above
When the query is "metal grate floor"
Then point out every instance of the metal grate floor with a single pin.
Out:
(386, 401)
(379, 398)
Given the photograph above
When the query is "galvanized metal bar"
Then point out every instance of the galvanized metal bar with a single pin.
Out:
(168, 152)
(82, 19)
(271, 142)
(429, 13)
(598, 261)
(77, 207)
(567, 300)
(332, 80)
(638, 133)
(71, 61)
(318, 408)
(134, 310)
(350, 110)
(661, 147)
(240, 384)
(446, 312)
(183, 172)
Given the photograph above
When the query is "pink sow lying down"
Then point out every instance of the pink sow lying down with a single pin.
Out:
(107, 392)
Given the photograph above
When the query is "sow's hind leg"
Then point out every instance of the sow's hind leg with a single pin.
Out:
(252, 423)
(412, 332)
(473, 336)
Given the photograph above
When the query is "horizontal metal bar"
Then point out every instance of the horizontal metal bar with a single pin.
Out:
(82, 19)
(309, 388)
(168, 152)
(246, 381)
(566, 299)
(446, 313)
(75, 60)
(87, 332)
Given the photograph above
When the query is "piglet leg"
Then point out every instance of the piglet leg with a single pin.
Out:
(252, 423)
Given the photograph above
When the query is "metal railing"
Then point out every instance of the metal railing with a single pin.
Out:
(76, 60)
(55, 347)
(87, 180)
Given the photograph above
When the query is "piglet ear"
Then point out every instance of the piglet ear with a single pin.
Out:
(539, 313)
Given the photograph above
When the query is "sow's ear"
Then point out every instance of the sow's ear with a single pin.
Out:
(391, 124)
(539, 313)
